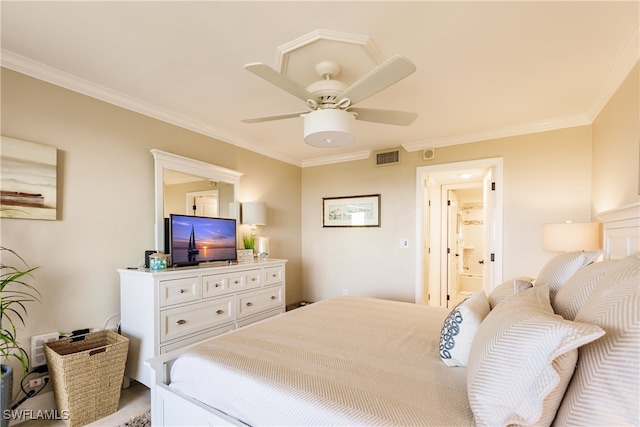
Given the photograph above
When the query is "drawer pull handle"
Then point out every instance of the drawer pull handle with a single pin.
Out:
(220, 312)
(182, 291)
(249, 304)
(217, 285)
(273, 297)
(181, 322)
(253, 279)
(236, 282)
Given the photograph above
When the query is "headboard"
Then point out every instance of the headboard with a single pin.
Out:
(621, 231)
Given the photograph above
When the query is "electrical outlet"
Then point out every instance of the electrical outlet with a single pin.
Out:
(37, 348)
(36, 382)
(404, 243)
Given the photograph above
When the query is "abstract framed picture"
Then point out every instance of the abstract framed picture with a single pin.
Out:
(351, 211)
(28, 180)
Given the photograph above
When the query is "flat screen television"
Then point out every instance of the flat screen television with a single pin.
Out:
(196, 239)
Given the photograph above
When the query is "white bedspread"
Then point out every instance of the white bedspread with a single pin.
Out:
(344, 361)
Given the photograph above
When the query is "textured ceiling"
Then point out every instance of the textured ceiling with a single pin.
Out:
(484, 69)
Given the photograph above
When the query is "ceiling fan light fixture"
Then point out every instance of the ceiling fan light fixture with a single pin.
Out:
(328, 128)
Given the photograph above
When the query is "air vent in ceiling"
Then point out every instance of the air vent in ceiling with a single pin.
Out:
(386, 158)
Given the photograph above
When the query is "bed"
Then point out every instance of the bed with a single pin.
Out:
(364, 361)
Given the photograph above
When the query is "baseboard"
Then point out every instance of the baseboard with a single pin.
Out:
(42, 406)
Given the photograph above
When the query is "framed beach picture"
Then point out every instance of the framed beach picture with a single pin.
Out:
(28, 179)
(352, 211)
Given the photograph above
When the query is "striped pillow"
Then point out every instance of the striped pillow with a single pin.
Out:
(560, 268)
(508, 288)
(460, 327)
(604, 389)
(574, 293)
(522, 359)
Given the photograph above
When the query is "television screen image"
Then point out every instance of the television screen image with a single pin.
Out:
(196, 239)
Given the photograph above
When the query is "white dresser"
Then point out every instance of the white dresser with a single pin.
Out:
(165, 310)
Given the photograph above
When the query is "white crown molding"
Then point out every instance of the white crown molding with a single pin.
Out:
(340, 158)
(504, 132)
(619, 72)
(23, 65)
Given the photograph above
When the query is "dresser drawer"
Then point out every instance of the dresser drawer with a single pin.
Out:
(260, 316)
(260, 300)
(244, 280)
(177, 291)
(273, 275)
(180, 321)
(215, 285)
(196, 338)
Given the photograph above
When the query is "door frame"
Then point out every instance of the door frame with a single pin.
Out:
(428, 240)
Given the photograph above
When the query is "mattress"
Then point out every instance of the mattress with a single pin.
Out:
(343, 361)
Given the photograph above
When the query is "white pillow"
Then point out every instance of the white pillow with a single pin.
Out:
(575, 292)
(605, 386)
(460, 327)
(560, 268)
(522, 359)
(508, 288)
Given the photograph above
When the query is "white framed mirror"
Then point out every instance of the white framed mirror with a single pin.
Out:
(188, 186)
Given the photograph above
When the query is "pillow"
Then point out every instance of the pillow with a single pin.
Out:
(560, 268)
(604, 388)
(522, 359)
(508, 288)
(460, 327)
(575, 292)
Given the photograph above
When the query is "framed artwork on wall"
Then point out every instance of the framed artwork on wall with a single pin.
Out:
(28, 180)
(351, 211)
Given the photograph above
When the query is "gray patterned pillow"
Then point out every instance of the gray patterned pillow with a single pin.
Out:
(560, 268)
(460, 327)
(575, 292)
(604, 388)
(508, 288)
(522, 359)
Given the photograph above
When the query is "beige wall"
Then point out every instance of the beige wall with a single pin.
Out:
(566, 174)
(106, 201)
(616, 146)
(106, 218)
(546, 179)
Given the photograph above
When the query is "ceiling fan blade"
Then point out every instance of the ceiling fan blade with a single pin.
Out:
(280, 80)
(270, 118)
(388, 117)
(384, 75)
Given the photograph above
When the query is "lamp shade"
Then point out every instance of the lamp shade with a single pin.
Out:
(571, 236)
(330, 127)
(254, 213)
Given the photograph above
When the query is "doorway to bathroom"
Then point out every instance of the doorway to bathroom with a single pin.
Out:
(460, 227)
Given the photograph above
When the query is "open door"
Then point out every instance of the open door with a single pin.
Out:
(453, 250)
(489, 236)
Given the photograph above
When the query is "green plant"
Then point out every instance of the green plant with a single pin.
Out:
(249, 241)
(15, 292)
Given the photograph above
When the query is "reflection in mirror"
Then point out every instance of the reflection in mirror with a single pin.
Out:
(182, 183)
(194, 195)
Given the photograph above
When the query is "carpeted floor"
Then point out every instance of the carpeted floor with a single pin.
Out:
(142, 420)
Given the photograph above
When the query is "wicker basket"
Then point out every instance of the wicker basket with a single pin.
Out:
(86, 375)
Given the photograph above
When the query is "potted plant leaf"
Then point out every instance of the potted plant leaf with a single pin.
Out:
(15, 293)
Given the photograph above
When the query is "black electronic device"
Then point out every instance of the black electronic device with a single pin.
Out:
(197, 239)
(146, 257)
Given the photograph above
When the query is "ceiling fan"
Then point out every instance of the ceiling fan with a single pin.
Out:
(328, 123)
